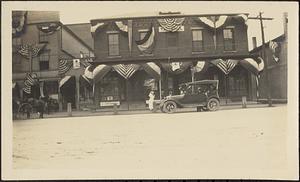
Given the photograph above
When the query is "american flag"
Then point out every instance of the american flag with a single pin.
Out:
(64, 66)
(126, 70)
(171, 24)
(275, 49)
(24, 50)
(29, 81)
(225, 65)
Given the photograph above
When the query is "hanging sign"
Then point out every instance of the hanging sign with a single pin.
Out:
(76, 63)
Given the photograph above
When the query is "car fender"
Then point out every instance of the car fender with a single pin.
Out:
(163, 102)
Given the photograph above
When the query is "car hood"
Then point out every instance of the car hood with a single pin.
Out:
(174, 97)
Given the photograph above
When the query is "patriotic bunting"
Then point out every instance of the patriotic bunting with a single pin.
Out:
(275, 49)
(214, 21)
(64, 80)
(171, 24)
(64, 66)
(121, 26)
(152, 69)
(96, 73)
(96, 27)
(146, 44)
(176, 67)
(126, 70)
(18, 22)
(225, 65)
(30, 80)
(254, 66)
(48, 28)
(199, 67)
(126, 29)
(24, 50)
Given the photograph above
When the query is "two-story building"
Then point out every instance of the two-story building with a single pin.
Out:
(46, 49)
(160, 52)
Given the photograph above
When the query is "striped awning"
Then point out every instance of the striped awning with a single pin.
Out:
(176, 67)
(152, 69)
(225, 65)
(95, 73)
(64, 80)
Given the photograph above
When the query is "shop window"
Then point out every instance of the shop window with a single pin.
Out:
(51, 87)
(172, 39)
(17, 41)
(113, 44)
(109, 89)
(197, 41)
(43, 37)
(229, 39)
(44, 60)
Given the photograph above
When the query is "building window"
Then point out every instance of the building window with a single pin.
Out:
(228, 39)
(43, 37)
(44, 60)
(172, 39)
(17, 41)
(197, 41)
(113, 44)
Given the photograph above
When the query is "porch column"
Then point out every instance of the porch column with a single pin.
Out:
(77, 96)
(59, 98)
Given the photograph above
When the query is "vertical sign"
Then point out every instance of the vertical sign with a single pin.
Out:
(76, 63)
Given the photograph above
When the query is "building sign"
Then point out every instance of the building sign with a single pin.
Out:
(76, 63)
(161, 29)
(110, 103)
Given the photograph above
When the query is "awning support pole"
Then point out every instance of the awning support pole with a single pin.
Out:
(159, 88)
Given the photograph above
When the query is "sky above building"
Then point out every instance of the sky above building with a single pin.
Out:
(84, 11)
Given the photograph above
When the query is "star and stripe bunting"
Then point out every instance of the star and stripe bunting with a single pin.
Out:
(152, 69)
(225, 65)
(95, 28)
(122, 27)
(24, 50)
(200, 66)
(176, 67)
(64, 66)
(126, 70)
(171, 24)
(146, 44)
(30, 80)
(255, 66)
(48, 28)
(19, 19)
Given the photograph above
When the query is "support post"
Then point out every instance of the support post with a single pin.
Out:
(60, 108)
(77, 96)
(226, 89)
(160, 89)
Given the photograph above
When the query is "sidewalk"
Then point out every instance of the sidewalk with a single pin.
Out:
(223, 106)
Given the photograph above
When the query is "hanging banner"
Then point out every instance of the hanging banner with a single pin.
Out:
(126, 70)
(255, 66)
(225, 65)
(19, 19)
(30, 80)
(76, 63)
(171, 24)
(35, 50)
(146, 44)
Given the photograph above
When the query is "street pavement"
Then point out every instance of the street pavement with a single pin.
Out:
(235, 143)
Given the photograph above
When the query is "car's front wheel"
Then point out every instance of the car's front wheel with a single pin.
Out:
(213, 104)
(169, 107)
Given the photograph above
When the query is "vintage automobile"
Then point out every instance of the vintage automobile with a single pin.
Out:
(200, 94)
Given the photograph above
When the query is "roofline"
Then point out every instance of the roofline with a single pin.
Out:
(266, 43)
(76, 37)
(163, 16)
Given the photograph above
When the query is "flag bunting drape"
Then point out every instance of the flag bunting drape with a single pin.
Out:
(64, 66)
(199, 67)
(19, 19)
(95, 73)
(48, 28)
(42, 89)
(126, 29)
(30, 80)
(122, 27)
(225, 65)
(176, 67)
(95, 28)
(275, 49)
(24, 50)
(152, 69)
(64, 80)
(126, 70)
(216, 22)
(146, 44)
(171, 24)
(255, 66)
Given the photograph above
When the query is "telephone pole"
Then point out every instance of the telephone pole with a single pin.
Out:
(264, 55)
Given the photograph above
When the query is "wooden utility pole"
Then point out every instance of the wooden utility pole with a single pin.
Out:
(264, 55)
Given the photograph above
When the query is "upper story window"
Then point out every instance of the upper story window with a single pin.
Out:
(172, 39)
(16, 42)
(43, 37)
(44, 60)
(113, 44)
(197, 41)
(228, 34)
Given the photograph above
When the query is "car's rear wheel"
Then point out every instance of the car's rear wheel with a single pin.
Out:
(169, 107)
(213, 104)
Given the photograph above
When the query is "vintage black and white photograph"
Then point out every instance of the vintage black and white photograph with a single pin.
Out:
(149, 90)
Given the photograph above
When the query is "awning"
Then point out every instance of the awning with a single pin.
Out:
(254, 66)
(225, 65)
(152, 69)
(126, 70)
(176, 67)
(64, 80)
